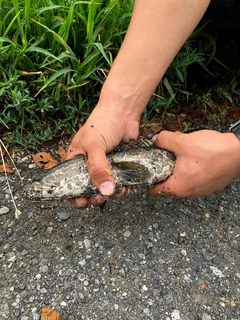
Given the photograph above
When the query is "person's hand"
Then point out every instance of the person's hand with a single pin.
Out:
(104, 130)
(206, 162)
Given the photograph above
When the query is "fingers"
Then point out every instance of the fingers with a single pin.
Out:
(163, 189)
(172, 187)
(117, 196)
(100, 172)
(167, 140)
(73, 152)
(97, 200)
(84, 202)
(79, 202)
(98, 167)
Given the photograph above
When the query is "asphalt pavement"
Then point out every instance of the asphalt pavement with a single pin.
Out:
(138, 258)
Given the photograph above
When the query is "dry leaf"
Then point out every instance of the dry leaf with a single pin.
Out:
(109, 172)
(156, 128)
(49, 313)
(5, 168)
(44, 160)
(234, 114)
(62, 153)
(172, 127)
(228, 302)
(144, 133)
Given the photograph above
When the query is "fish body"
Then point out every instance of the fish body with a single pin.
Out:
(135, 166)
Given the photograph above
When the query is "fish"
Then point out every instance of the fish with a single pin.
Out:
(141, 165)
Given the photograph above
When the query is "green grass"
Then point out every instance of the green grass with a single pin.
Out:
(54, 58)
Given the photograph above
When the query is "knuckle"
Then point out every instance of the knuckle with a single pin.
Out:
(98, 171)
(95, 169)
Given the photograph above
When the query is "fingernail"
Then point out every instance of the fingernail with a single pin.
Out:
(106, 188)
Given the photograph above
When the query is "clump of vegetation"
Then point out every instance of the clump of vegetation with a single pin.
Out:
(54, 58)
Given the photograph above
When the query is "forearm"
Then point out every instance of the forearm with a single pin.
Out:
(157, 31)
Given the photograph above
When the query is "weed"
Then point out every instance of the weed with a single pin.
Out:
(54, 58)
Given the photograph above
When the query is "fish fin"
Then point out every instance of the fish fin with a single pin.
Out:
(132, 173)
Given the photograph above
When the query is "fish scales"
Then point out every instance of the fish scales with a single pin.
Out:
(135, 166)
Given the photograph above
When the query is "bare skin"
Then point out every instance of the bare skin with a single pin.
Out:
(207, 161)
(155, 35)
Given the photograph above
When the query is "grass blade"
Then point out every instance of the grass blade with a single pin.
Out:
(55, 76)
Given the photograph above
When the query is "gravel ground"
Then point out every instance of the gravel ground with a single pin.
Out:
(138, 258)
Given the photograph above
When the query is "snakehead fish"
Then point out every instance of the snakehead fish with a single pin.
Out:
(135, 166)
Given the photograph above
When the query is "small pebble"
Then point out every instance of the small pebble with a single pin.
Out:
(217, 272)
(36, 316)
(12, 259)
(155, 226)
(145, 288)
(168, 298)
(49, 230)
(81, 296)
(183, 252)
(4, 210)
(156, 292)
(127, 234)
(64, 216)
(206, 316)
(228, 258)
(85, 283)
(175, 315)
(183, 234)
(2, 179)
(87, 244)
(146, 311)
(122, 272)
(43, 269)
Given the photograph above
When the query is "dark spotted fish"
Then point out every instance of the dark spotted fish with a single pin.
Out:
(135, 166)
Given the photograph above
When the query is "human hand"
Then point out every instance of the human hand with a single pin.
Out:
(104, 130)
(207, 161)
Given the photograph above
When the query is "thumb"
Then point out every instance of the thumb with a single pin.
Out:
(100, 172)
(167, 140)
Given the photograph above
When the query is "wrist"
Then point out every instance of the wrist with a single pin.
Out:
(125, 103)
(233, 153)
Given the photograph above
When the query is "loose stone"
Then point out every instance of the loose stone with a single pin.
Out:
(36, 316)
(81, 296)
(87, 243)
(43, 269)
(175, 315)
(205, 316)
(122, 272)
(155, 226)
(49, 230)
(145, 288)
(64, 216)
(127, 234)
(4, 210)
